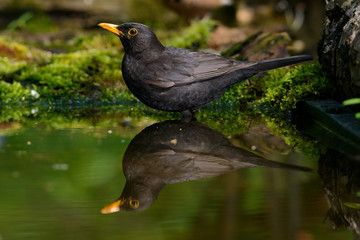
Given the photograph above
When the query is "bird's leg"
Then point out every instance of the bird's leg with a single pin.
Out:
(188, 116)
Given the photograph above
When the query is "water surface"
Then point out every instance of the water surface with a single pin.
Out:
(55, 178)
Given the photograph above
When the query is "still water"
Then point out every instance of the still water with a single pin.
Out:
(174, 180)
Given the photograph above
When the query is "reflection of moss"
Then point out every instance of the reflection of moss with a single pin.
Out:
(231, 113)
(229, 122)
(293, 137)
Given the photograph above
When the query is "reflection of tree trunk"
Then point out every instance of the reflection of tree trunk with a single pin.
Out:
(339, 48)
(285, 220)
(229, 223)
(294, 201)
(340, 177)
(274, 182)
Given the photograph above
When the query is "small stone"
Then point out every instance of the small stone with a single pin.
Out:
(60, 166)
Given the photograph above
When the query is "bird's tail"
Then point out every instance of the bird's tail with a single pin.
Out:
(245, 159)
(261, 162)
(281, 62)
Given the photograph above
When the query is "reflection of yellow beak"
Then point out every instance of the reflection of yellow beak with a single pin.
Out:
(112, 28)
(113, 207)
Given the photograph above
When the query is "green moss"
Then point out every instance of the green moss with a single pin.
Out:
(20, 21)
(55, 76)
(17, 51)
(14, 92)
(98, 40)
(193, 37)
(98, 66)
(91, 71)
(150, 12)
(80, 75)
(41, 23)
(33, 23)
(278, 91)
(10, 68)
(283, 88)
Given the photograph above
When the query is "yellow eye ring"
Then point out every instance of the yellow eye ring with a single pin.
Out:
(133, 32)
(134, 203)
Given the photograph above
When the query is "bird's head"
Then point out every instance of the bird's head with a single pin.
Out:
(135, 197)
(123, 204)
(135, 37)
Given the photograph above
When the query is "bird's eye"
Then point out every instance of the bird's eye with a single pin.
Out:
(134, 203)
(133, 32)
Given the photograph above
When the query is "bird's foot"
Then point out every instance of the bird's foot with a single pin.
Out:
(188, 116)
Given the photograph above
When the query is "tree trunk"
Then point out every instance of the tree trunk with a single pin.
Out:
(339, 48)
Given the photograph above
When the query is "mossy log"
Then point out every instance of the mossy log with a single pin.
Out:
(339, 48)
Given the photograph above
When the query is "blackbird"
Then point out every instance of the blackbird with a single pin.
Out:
(180, 80)
(175, 151)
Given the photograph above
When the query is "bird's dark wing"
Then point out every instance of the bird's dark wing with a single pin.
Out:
(178, 165)
(182, 67)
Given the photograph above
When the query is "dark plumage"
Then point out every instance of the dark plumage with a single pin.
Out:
(176, 79)
(175, 151)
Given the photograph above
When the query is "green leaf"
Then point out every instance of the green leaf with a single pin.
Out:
(352, 205)
(351, 101)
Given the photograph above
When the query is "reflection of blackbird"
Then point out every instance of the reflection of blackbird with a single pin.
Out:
(177, 79)
(173, 151)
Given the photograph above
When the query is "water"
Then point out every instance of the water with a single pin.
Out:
(55, 178)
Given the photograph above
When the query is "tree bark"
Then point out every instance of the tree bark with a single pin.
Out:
(339, 48)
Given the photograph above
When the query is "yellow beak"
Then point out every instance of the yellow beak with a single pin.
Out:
(112, 28)
(113, 207)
